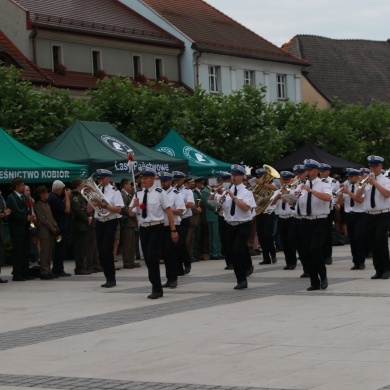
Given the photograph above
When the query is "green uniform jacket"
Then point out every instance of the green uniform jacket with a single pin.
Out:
(79, 211)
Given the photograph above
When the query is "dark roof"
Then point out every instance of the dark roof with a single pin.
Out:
(311, 151)
(352, 70)
(105, 17)
(214, 32)
(27, 69)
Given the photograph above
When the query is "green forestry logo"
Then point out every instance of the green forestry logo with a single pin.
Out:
(115, 144)
(197, 156)
(166, 150)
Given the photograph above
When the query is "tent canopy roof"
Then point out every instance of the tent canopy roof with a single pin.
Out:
(101, 145)
(200, 163)
(311, 151)
(17, 159)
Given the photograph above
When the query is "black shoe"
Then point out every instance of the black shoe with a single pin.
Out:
(3, 281)
(362, 266)
(264, 262)
(249, 271)
(386, 275)
(324, 284)
(109, 284)
(173, 284)
(229, 267)
(241, 285)
(376, 276)
(292, 267)
(54, 276)
(18, 279)
(167, 284)
(286, 267)
(187, 269)
(328, 261)
(46, 277)
(274, 260)
(356, 266)
(313, 288)
(155, 295)
(28, 277)
(304, 275)
(63, 274)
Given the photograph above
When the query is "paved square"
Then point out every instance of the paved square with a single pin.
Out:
(70, 333)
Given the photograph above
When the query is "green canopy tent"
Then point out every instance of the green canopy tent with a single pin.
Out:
(18, 160)
(100, 145)
(200, 163)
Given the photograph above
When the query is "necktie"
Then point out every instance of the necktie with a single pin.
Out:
(373, 189)
(144, 201)
(233, 206)
(102, 190)
(352, 202)
(283, 205)
(308, 204)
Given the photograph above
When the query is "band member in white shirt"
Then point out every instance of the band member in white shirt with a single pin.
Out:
(150, 206)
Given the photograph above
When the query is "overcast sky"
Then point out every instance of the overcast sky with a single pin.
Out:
(279, 20)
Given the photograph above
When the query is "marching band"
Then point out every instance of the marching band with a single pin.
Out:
(298, 205)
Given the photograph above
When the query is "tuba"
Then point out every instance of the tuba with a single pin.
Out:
(261, 193)
(91, 193)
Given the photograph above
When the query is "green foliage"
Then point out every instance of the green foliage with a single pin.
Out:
(239, 127)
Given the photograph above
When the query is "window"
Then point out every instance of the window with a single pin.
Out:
(56, 57)
(249, 77)
(159, 68)
(137, 70)
(96, 62)
(214, 79)
(281, 84)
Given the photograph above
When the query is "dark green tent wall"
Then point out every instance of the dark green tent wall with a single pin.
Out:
(18, 160)
(100, 145)
(200, 163)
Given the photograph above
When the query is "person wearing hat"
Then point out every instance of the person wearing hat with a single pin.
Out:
(47, 229)
(4, 213)
(377, 205)
(128, 225)
(169, 249)
(355, 213)
(313, 207)
(265, 223)
(150, 205)
(59, 201)
(237, 207)
(81, 220)
(107, 223)
(286, 220)
(324, 173)
(189, 201)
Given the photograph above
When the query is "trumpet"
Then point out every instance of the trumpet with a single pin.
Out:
(362, 183)
(293, 185)
(336, 194)
(91, 193)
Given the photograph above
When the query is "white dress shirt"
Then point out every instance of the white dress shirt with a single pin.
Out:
(114, 197)
(188, 196)
(176, 201)
(239, 215)
(381, 203)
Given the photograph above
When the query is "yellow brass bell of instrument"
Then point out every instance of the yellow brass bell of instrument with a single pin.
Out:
(58, 238)
(32, 225)
(261, 193)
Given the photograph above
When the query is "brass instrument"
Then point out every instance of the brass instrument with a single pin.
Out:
(336, 194)
(261, 193)
(293, 185)
(91, 193)
(362, 183)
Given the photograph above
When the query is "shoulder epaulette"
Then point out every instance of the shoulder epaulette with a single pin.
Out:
(158, 189)
(188, 189)
(176, 191)
(334, 181)
(139, 189)
(325, 180)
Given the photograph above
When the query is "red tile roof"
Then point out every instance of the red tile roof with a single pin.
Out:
(214, 32)
(108, 17)
(27, 69)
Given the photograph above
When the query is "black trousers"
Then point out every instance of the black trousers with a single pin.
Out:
(182, 250)
(221, 227)
(237, 246)
(265, 224)
(297, 229)
(287, 235)
(377, 233)
(356, 228)
(151, 242)
(329, 235)
(169, 251)
(105, 237)
(20, 239)
(312, 240)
